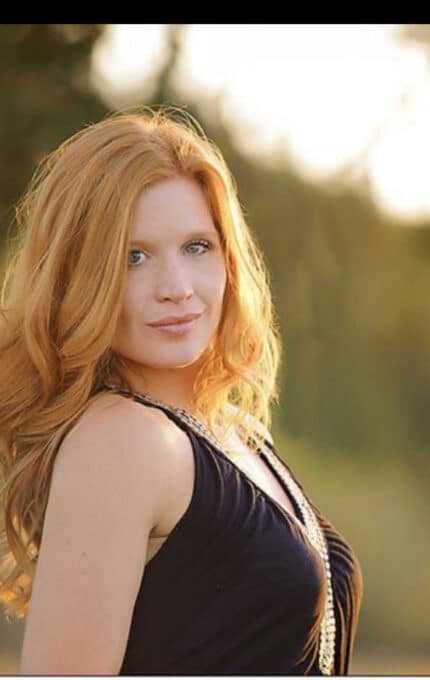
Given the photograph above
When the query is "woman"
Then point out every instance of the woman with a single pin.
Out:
(150, 525)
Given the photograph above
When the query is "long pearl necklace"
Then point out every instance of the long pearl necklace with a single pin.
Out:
(311, 527)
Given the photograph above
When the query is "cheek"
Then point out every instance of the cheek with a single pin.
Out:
(132, 303)
(216, 280)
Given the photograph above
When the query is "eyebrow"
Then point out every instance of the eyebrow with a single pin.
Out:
(194, 234)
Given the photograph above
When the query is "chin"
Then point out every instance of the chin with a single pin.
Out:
(170, 357)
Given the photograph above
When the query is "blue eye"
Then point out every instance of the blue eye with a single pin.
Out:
(207, 245)
(131, 252)
(202, 242)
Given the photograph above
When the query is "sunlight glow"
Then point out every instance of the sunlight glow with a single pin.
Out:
(322, 95)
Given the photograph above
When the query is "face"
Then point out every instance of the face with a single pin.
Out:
(175, 268)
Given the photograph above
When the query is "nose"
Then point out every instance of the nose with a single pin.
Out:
(173, 282)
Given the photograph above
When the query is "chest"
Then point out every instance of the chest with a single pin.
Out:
(182, 473)
(258, 470)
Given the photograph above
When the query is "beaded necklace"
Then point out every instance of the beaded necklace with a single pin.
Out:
(311, 527)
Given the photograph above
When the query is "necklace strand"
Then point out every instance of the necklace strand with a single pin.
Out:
(311, 525)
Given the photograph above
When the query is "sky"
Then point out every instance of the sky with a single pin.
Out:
(325, 95)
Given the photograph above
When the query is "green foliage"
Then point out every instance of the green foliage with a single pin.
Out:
(382, 509)
(46, 95)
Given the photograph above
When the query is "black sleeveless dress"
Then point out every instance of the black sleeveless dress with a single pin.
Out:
(237, 588)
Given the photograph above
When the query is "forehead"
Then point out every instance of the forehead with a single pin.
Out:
(171, 207)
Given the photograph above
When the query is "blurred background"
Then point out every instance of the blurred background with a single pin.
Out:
(327, 131)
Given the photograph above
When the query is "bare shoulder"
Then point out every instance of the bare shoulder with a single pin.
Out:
(122, 440)
(113, 445)
(124, 416)
(248, 418)
(107, 491)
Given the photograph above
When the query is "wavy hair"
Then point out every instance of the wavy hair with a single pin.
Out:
(60, 306)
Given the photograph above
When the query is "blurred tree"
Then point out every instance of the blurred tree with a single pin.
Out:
(416, 33)
(165, 84)
(45, 96)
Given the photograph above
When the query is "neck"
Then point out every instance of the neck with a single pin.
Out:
(173, 387)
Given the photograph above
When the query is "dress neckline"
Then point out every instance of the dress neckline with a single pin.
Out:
(296, 517)
(328, 626)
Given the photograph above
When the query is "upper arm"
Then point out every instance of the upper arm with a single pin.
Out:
(102, 505)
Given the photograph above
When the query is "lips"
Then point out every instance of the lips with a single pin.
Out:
(174, 320)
